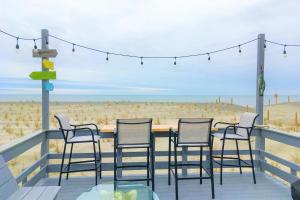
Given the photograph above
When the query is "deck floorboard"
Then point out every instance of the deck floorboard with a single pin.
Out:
(235, 186)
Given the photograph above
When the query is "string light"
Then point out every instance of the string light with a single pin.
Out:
(35, 47)
(142, 63)
(284, 50)
(17, 45)
(149, 57)
(153, 57)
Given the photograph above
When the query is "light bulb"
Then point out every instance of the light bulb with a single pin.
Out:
(18, 46)
(284, 51)
(142, 63)
(107, 56)
(35, 47)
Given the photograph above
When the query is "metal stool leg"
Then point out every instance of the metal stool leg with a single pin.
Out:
(201, 152)
(95, 156)
(152, 163)
(252, 163)
(211, 165)
(148, 172)
(176, 171)
(70, 158)
(221, 165)
(62, 164)
(169, 161)
(115, 161)
(238, 154)
(100, 160)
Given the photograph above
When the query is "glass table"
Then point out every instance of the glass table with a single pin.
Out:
(119, 191)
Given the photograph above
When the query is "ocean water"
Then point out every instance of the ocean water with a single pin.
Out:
(237, 99)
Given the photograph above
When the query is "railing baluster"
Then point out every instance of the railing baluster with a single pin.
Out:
(184, 155)
(293, 172)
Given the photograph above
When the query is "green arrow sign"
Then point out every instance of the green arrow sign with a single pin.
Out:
(51, 75)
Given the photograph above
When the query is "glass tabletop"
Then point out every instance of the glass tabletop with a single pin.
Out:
(119, 191)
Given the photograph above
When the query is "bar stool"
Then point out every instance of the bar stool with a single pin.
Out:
(134, 134)
(69, 134)
(192, 132)
(239, 132)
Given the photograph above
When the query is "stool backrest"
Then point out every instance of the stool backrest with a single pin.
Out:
(247, 120)
(194, 130)
(133, 131)
(64, 124)
(8, 184)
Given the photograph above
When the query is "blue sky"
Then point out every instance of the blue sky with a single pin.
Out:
(146, 28)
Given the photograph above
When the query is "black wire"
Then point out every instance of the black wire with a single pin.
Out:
(93, 49)
(281, 44)
(152, 57)
(20, 38)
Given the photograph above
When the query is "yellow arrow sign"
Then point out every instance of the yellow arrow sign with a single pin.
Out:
(47, 64)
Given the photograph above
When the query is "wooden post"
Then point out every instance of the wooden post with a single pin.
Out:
(268, 115)
(276, 96)
(45, 100)
(259, 140)
(296, 119)
(219, 99)
(289, 99)
(45, 93)
(184, 155)
(231, 101)
(247, 108)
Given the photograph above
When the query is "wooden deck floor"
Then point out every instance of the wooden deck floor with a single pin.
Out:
(235, 186)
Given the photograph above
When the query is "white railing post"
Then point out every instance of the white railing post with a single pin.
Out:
(45, 98)
(259, 140)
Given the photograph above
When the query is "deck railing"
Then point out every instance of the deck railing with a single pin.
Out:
(42, 168)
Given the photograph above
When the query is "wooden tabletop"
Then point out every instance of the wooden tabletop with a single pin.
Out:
(155, 128)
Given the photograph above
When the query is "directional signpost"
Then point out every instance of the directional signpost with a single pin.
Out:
(45, 75)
